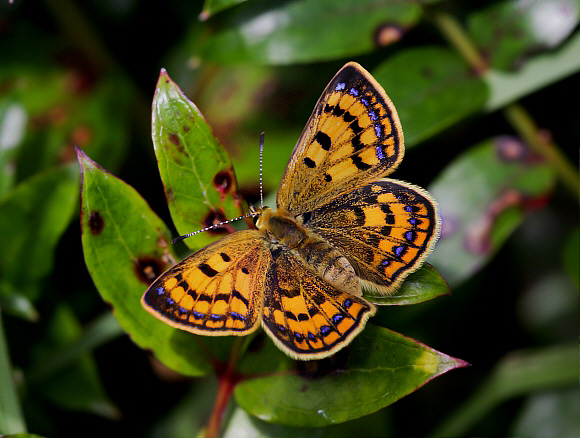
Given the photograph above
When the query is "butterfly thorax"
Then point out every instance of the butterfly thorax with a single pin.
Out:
(286, 233)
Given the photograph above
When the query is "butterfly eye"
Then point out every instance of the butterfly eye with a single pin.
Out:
(255, 219)
(304, 218)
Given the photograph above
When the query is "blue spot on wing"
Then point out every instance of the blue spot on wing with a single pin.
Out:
(400, 250)
(380, 152)
(238, 316)
(337, 318)
(340, 86)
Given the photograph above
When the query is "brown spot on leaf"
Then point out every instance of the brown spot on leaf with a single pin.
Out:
(223, 182)
(510, 148)
(96, 222)
(387, 33)
(426, 72)
(214, 217)
(174, 138)
(170, 195)
(476, 238)
(148, 269)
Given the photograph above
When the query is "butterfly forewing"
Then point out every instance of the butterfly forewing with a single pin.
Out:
(385, 229)
(216, 291)
(352, 137)
(306, 316)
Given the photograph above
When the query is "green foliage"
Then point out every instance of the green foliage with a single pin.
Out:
(83, 75)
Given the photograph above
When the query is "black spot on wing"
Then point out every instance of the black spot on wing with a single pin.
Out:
(323, 139)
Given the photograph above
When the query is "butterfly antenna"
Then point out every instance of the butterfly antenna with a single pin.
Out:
(211, 227)
(261, 179)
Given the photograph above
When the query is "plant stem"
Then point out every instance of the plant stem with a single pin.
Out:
(456, 36)
(517, 116)
(527, 130)
(226, 382)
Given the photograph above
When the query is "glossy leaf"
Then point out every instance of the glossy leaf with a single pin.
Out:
(422, 285)
(432, 88)
(521, 28)
(199, 179)
(483, 195)
(32, 218)
(306, 31)
(538, 72)
(126, 246)
(378, 368)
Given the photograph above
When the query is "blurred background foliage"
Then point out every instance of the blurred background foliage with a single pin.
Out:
(485, 94)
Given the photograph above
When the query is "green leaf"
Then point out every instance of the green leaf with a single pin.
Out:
(422, 285)
(211, 7)
(521, 28)
(306, 31)
(12, 124)
(571, 256)
(23, 435)
(11, 417)
(32, 218)
(242, 424)
(15, 303)
(432, 88)
(548, 308)
(538, 72)
(100, 331)
(483, 196)
(64, 109)
(378, 368)
(76, 386)
(553, 413)
(199, 179)
(521, 372)
(126, 246)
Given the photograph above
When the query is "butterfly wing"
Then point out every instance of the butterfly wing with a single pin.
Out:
(353, 136)
(217, 290)
(385, 229)
(305, 316)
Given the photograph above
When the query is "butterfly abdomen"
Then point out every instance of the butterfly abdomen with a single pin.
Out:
(329, 263)
(315, 252)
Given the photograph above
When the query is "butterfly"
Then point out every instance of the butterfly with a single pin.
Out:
(339, 228)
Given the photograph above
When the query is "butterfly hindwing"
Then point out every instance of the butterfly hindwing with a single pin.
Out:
(217, 290)
(385, 229)
(305, 316)
(353, 136)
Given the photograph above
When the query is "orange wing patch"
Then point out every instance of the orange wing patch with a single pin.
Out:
(218, 290)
